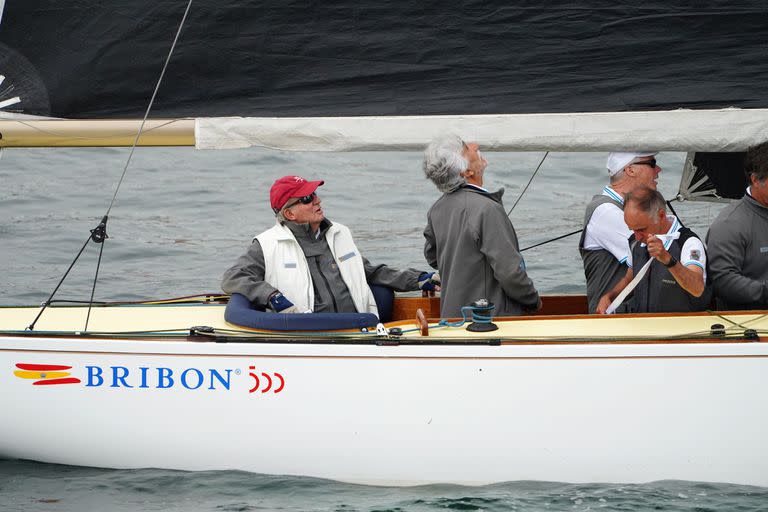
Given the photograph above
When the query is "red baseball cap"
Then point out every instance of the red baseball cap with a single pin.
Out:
(290, 186)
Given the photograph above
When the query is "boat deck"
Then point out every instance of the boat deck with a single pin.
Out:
(417, 318)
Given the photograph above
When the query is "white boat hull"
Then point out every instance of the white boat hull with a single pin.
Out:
(402, 415)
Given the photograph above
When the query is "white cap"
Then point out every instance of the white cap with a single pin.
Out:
(618, 161)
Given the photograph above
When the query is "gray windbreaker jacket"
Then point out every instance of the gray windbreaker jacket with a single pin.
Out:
(737, 246)
(470, 240)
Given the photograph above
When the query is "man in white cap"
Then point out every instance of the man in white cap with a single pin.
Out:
(604, 244)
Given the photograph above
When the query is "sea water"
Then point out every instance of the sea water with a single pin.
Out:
(32, 486)
(182, 216)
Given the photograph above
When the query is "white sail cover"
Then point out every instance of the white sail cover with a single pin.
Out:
(676, 130)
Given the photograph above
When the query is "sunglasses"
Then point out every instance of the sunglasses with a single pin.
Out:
(303, 200)
(651, 162)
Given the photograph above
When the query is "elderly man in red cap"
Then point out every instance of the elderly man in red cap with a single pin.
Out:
(306, 263)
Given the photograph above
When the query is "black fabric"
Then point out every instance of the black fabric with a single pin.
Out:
(658, 291)
(724, 172)
(102, 58)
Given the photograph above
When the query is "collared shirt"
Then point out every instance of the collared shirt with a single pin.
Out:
(606, 228)
(477, 187)
(692, 252)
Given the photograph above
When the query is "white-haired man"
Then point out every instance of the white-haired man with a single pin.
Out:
(469, 237)
(604, 243)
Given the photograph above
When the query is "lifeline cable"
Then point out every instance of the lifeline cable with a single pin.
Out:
(99, 234)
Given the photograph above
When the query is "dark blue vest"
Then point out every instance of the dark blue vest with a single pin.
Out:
(658, 291)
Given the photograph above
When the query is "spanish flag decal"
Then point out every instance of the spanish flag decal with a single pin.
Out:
(45, 374)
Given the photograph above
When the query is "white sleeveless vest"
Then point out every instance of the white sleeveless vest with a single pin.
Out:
(286, 268)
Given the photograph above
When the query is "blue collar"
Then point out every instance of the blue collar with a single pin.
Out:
(608, 191)
(672, 230)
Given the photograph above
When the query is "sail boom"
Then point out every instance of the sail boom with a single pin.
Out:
(722, 130)
(27, 131)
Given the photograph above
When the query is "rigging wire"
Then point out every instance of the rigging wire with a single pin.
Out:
(552, 240)
(546, 154)
(149, 107)
(93, 288)
(45, 304)
(580, 230)
(99, 233)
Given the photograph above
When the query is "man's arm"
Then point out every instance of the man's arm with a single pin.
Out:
(430, 245)
(726, 260)
(246, 277)
(496, 239)
(399, 280)
(690, 278)
(610, 296)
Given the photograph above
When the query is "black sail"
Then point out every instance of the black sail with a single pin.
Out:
(101, 59)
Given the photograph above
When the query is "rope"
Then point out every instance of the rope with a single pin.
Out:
(478, 314)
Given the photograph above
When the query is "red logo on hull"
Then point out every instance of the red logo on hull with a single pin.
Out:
(45, 374)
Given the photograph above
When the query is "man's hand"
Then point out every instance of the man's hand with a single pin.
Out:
(429, 281)
(530, 310)
(280, 304)
(602, 306)
(656, 250)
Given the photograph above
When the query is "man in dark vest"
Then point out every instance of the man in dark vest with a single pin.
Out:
(674, 280)
(603, 245)
(738, 241)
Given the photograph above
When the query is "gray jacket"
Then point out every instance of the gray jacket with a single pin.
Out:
(246, 276)
(737, 246)
(470, 240)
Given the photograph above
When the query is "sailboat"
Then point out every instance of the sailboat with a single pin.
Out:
(412, 399)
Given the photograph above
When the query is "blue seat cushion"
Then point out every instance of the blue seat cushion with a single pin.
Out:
(385, 301)
(241, 312)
